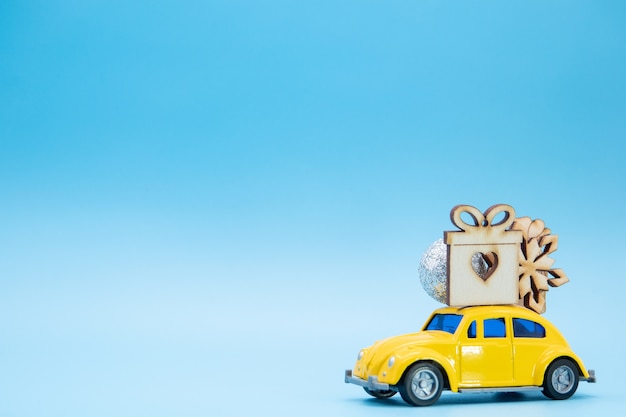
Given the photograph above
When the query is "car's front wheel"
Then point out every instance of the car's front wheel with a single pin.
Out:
(561, 380)
(422, 384)
(381, 395)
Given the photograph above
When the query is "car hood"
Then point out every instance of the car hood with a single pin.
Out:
(407, 341)
(380, 352)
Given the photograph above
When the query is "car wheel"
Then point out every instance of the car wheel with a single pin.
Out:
(422, 384)
(561, 380)
(381, 395)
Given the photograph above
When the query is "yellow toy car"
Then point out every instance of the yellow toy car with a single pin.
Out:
(480, 348)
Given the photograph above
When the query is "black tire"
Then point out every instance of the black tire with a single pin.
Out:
(381, 395)
(561, 380)
(421, 385)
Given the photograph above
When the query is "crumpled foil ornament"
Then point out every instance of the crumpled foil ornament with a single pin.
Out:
(433, 270)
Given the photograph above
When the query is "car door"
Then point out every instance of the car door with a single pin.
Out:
(485, 353)
(528, 345)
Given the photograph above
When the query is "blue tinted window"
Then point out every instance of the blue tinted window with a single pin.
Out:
(495, 328)
(445, 322)
(527, 328)
(471, 330)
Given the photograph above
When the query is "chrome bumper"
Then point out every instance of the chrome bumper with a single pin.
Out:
(371, 383)
(592, 376)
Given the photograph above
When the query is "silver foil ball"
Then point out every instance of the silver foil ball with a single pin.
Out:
(433, 270)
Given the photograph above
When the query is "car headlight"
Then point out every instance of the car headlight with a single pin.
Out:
(360, 356)
(391, 361)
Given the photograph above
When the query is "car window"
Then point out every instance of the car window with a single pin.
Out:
(528, 328)
(445, 322)
(494, 328)
(471, 330)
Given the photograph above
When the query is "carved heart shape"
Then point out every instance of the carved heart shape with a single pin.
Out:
(484, 264)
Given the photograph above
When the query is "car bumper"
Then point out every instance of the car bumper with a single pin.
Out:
(371, 383)
(592, 376)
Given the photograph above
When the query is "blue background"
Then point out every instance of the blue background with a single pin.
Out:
(209, 207)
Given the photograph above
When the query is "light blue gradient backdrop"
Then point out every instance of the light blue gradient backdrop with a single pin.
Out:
(192, 190)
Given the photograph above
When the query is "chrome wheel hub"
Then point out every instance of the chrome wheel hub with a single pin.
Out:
(563, 379)
(424, 384)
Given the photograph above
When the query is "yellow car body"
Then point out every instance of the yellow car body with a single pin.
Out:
(484, 348)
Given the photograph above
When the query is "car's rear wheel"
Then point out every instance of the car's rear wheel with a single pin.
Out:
(561, 380)
(381, 395)
(422, 384)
